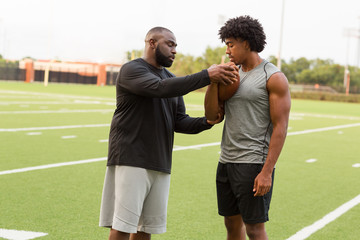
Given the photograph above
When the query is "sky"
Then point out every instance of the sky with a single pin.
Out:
(104, 30)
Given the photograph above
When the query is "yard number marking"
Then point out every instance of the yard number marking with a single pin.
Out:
(19, 235)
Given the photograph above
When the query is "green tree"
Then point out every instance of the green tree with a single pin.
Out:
(323, 74)
(214, 56)
(294, 68)
(354, 79)
(187, 64)
(285, 68)
(28, 57)
(272, 59)
(298, 71)
(183, 65)
(130, 55)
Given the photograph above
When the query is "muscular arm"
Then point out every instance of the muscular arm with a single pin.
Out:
(214, 112)
(279, 100)
(214, 107)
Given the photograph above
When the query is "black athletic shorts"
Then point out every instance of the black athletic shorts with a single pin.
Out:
(234, 185)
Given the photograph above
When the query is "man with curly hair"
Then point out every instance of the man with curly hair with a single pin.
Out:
(256, 121)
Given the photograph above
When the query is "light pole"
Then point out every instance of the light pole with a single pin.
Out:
(356, 34)
(281, 34)
(346, 72)
(2, 37)
(358, 47)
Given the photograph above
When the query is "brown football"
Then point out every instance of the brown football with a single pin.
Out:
(227, 91)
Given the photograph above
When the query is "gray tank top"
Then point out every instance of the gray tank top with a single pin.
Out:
(248, 128)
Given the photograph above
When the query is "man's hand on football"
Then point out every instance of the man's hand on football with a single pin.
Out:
(224, 74)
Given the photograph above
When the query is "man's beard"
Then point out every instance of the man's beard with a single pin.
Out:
(161, 59)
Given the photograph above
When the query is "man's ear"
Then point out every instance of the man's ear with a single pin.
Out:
(247, 45)
(152, 43)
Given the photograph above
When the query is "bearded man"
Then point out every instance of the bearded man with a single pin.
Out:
(149, 109)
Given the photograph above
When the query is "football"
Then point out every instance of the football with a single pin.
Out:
(227, 91)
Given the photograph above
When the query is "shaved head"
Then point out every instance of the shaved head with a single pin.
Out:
(160, 47)
(155, 33)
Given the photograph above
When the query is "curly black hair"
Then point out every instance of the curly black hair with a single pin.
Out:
(245, 28)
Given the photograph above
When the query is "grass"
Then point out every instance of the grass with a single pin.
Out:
(64, 201)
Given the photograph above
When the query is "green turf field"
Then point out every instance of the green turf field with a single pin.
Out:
(318, 170)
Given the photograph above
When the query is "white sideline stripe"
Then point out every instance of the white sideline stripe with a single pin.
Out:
(27, 103)
(356, 165)
(34, 133)
(68, 137)
(196, 146)
(52, 128)
(57, 111)
(307, 231)
(323, 129)
(106, 125)
(323, 116)
(175, 149)
(25, 97)
(90, 160)
(27, 169)
(62, 96)
(19, 235)
(302, 234)
(52, 95)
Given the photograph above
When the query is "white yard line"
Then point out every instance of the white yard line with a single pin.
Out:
(177, 148)
(54, 95)
(302, 234)
(324, 129)
(58, 111)
(52, 128)
(76, 101)
(309, 230)
(68, 137)
(195, 106)
(33, 133)
(324, 116)
(27, 169)
(65, 99)
(23, 97)
(106, 125)
(6, 103)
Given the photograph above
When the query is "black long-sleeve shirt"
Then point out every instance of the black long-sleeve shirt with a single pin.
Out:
(149, 109)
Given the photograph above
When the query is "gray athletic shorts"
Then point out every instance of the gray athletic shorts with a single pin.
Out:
(134, 199)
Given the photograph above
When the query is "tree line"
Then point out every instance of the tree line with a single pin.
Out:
(324, 72)
(9, 69)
